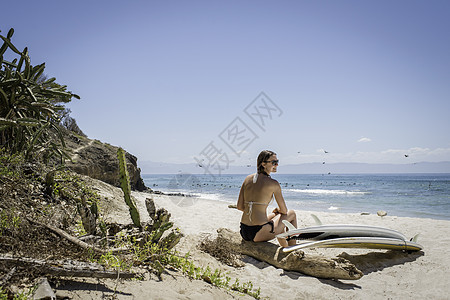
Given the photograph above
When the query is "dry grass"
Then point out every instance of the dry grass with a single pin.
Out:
(221, 252)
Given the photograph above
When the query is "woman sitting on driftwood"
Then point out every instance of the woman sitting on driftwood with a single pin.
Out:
(255, 196)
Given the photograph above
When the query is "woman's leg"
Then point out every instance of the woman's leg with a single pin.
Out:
(291, 217)
(265, 235)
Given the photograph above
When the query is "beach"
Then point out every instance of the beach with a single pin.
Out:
(387, 274)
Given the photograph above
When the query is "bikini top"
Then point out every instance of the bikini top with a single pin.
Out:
(251, 203)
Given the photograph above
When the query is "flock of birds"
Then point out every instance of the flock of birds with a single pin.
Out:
(298, 152)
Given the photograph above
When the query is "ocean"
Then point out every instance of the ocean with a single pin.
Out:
(404, 195)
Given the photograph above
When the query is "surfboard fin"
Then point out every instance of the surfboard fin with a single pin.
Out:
(316, 219)
(288, 225)
(415, 238)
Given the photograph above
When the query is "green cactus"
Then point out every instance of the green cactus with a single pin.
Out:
(151, 209)
(157, 233)
(171, 240)
(88, 219)
(126, 188)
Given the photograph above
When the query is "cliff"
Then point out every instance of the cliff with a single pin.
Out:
(99, 160)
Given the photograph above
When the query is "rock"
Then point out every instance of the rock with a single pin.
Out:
(99, 160)
(44, 290)
(365, 214)
(381, 213)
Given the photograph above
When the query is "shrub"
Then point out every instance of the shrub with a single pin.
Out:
(29, 105)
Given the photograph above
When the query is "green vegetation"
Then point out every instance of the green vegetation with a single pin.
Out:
(159, 258)
(216, 278)
(20, 296)
(67, 186)
(8, 221)
(9, 166)
(32, 118)
(125, 185)
(30, 105)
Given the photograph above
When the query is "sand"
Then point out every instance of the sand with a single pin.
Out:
(387, 274)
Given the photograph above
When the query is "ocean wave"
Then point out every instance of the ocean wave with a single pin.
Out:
(211, 196)
(326, 192)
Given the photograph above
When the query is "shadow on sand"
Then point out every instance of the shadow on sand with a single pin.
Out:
(372, 262)
(377, 261)
(79, 285)
(333, 282)
(366, 263)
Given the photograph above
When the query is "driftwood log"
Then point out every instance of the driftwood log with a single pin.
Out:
(312, 265)
(64, 268)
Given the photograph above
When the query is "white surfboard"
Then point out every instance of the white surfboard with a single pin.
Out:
(334, 231)
(359, 242)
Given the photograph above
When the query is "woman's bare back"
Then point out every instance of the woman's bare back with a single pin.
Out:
(257, 195)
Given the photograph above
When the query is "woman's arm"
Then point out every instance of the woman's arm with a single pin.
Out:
(240, 202)
(282, 208)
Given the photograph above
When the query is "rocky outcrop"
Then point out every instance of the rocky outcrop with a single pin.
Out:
(99, 160)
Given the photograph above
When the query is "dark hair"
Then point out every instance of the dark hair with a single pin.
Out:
(263, 157)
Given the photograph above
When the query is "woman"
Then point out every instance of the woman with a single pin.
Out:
(256, 194)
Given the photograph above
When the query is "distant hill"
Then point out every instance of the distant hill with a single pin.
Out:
(354, 168)
(148, 167)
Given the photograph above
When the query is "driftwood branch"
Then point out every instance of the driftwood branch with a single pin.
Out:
(312, 265)
(64, 268)
(77, 241)
(7, 277)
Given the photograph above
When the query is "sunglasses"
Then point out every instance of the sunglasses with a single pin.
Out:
(274, 162)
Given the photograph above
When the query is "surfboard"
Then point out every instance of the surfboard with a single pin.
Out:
(359, 242)
(333, 231)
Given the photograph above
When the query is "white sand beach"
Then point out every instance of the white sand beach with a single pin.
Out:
(387, 274)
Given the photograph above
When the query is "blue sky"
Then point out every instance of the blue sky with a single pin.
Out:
(367, 81)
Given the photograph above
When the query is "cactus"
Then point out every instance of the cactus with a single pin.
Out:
(157, 233)
(159, 268)
(49, 183)
(151, 209)
(88, 219)
(171, 240)
(126, 188)
(160, 224)
(88, 215)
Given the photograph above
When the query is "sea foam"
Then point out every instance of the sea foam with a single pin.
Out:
(326, 192)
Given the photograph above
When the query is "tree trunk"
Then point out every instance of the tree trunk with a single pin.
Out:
(64, 268)
(312, 265)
